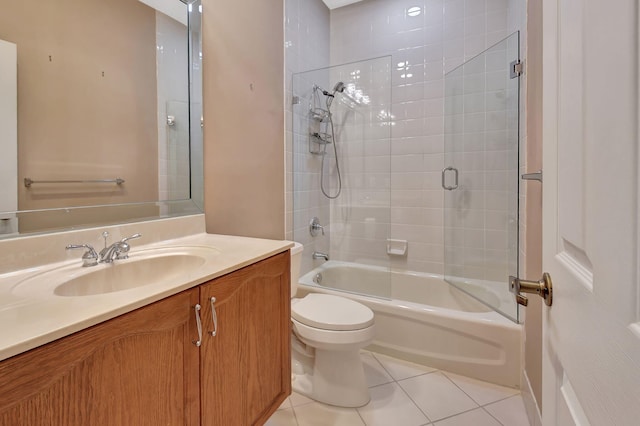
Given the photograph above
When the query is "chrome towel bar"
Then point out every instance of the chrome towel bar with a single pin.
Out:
(28, 181)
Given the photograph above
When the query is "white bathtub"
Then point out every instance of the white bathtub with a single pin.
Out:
(421, 318)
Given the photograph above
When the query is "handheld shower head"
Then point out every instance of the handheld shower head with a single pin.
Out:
(339, 87)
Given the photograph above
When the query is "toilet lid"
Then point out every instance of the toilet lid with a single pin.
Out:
(329, 312)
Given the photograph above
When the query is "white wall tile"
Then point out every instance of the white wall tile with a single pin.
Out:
(447, 32)
(453, 10)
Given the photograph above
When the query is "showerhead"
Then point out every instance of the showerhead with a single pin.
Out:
(339, 87)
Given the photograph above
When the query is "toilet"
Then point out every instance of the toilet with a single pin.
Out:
(328, 333)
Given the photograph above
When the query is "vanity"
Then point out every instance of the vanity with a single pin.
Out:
(210, 345)
(192, 328)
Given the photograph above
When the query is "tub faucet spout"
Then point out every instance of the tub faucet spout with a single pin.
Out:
(320, 255)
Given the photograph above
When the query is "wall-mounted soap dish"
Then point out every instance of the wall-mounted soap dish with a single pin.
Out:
(397, 247)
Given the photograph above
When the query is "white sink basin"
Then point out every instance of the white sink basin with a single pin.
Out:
(144, 267)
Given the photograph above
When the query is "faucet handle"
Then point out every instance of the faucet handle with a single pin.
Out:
(89, 258)
(134, 236)
(124, 247)
(314, 225)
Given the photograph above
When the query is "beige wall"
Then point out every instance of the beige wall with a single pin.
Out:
(70, 51)
(533, 323)
(243, 69)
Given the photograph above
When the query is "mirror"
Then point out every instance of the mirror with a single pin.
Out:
(100, 113)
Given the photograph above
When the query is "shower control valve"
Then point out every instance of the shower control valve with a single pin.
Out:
(314, 226)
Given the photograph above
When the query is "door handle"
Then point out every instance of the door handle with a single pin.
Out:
(199, 324)
(214, 317)
(542, 287)
(455, 174)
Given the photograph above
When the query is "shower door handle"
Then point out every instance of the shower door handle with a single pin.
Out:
(455, 174)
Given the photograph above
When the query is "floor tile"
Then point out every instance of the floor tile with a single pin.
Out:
(477, 417)
(407, 394)
(509, 411)
(531, 408)
(400, 369)
(437, 396)
(285, 404)
(296, 399)
(317, 414)
(374, 371)
(481, 392)
(284, 417)
(389, 405)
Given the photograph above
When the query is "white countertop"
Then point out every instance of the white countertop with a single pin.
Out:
(28, 322)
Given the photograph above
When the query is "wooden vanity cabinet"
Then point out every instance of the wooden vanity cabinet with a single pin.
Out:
(142, 368)
(137, 369)
(246, 366)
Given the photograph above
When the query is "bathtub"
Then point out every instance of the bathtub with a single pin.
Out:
(422, 319)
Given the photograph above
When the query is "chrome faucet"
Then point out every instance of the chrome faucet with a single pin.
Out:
(320, 255)
(114, 251)
(118, 250)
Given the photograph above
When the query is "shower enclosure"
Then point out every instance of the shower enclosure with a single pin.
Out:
(343, 169)
(341, 164)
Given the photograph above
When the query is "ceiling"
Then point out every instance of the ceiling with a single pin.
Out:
(334, 4)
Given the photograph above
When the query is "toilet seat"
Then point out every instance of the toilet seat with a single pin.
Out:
(333, 340)
(328, 312)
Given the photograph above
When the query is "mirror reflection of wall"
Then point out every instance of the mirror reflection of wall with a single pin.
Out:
(195, 104)
(173, 109)
(8, 138)
(97, 84)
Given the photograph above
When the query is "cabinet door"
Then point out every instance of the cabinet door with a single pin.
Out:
(246, 367)
(137, 369)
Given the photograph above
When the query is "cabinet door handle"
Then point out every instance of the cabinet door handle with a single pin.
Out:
(214, 317)
(199, 323)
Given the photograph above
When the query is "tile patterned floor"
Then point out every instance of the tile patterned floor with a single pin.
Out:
(407, 394)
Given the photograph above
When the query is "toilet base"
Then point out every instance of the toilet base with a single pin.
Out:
(336, 378)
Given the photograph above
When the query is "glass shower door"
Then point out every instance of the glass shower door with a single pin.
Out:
(341, 127)
(480, 178)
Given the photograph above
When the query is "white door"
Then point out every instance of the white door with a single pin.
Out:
(591, 349)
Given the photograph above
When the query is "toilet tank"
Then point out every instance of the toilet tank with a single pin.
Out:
(296, 260)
